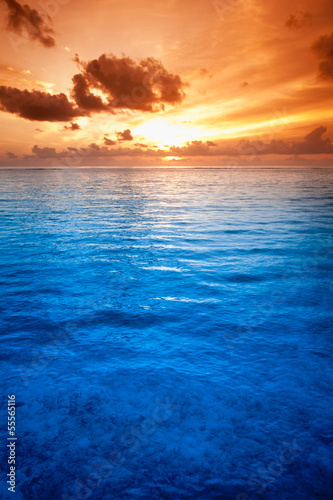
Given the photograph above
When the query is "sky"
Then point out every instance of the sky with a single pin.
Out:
(173, 82)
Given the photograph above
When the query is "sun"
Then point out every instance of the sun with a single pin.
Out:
(172, 158)
(164, 133)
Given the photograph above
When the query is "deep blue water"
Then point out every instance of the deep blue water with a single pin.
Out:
(168, 333)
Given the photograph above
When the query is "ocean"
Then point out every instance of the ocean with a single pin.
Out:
(167, 332)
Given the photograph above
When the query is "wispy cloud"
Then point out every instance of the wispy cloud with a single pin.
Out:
(323, 47)
(22, 18)
(299, 20)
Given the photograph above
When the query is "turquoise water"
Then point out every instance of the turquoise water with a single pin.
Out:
(168, 332)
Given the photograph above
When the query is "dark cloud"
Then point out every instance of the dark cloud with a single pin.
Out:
(109, 142)
(141, 145)
(245, 84)
(299, 20)
(11, 155)
(37, 105)
(314, 143)
(323, 47)
(94, 147)
(45, 152)
(203, 72)
(125, 135)
(93, 150)
(246, 150)
(84, 98)
(193, 148)
(72, 126)
(145, 86)
(37, 26)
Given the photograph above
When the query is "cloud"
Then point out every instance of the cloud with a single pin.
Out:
(45, 152)
(14, 71)
(203, 72)
(23, 17)
(125, 84)
(72, 126)
(109, 142)
(323, 47)
(93, 150)
(107, 84)
(125, 135)
(314, 143)
(21, 78)
(94, 147)
(313, 147)
(194, 148)
(245, 151)
(84, 98)
(299, 20)
(37, 105)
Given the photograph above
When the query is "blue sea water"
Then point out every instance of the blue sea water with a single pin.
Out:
(167, 333)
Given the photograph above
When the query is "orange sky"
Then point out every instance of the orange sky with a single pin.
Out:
(238, 82)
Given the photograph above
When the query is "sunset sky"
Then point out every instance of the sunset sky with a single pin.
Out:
(172, 82)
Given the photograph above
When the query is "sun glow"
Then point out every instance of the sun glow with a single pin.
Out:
(164, 133)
